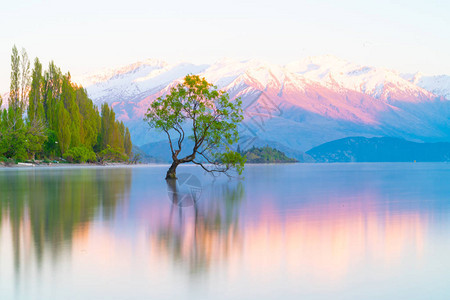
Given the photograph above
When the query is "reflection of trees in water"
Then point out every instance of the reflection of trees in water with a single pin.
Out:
(48, 206)
(208, 231)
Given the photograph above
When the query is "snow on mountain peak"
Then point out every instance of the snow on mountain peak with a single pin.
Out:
(324, 95)
(437, 84)
(327, 71)
(379, 83)
(111, 73)
(225, 71)
(126, 82)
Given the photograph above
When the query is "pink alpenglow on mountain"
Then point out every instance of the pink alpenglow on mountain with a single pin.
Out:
(297, 106)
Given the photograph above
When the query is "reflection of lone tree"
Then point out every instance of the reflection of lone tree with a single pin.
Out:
(197, 108)
(185, 191)
(206, 233)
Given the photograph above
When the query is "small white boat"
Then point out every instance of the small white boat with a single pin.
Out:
(26, 164)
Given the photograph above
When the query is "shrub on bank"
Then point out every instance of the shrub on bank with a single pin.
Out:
(111, 155)
(80, 155)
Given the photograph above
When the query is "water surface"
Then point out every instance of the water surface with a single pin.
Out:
(310, 231)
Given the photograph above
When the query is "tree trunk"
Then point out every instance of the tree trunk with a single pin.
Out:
(172, 172)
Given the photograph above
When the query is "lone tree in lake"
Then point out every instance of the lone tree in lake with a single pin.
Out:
(196, 110)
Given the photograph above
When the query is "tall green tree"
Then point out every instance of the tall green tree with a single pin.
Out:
(52, 93)
(20, 79)
(91, 121)
(197, 109)
(127, 143)
(35, 100)
(35, 113)
(25, 78)
(63, 126)
(35, 138)
(68, 97)
(14, 88)
(13, 135)
(104, 140)
(50, 147)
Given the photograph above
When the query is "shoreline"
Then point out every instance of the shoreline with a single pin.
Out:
(63, 165)
(112, 165)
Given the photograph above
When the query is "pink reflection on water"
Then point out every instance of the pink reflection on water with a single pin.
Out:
(325, 241)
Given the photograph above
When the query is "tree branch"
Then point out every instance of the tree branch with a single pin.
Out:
(170, 142)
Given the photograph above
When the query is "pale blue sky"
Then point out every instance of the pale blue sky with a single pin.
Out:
(84, 36)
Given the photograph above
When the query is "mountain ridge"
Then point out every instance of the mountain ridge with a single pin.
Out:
(301, 104)
(380, 149)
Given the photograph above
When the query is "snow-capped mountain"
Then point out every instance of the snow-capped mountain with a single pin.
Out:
(438, 85)
(132, 80)
(379, 83)
(299, 105)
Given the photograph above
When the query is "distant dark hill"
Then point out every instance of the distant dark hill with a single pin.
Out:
(161, 150)
(384, 149)
(267, 155)
(246, 142)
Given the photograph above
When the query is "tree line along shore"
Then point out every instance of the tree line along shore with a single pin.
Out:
(48, 118)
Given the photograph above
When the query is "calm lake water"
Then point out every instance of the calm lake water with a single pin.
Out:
(303, 231)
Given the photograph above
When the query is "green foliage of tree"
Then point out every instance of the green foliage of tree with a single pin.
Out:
(91, 120)
(195, 109)
(112, 132)
(14, 88)
(59, 117)
(25, 78)
(13, 135)
(119, 136)
(64, 128)
(80, 155)
(51, 148)
(35, 114)
(35, 138)
(110, 154)
(127, 143)
(35, 96)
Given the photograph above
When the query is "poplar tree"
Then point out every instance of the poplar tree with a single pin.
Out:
(14, 88)
(105, 127)
(127, 143)
(91, 122)
(24, 78)
(36, 116)
(63, 127)
(13, 138)
(35, 105)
